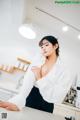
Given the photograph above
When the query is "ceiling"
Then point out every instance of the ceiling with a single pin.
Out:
(51, 17)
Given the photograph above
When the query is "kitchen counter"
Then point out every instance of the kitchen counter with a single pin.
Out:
(29, 114)
(68, 107)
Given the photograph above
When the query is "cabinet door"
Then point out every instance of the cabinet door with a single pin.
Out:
(63, 111)
(5, 95)
(77, 115)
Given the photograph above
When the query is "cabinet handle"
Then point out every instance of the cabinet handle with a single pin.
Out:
(70, 118)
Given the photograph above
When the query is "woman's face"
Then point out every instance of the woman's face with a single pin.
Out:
(47, 48)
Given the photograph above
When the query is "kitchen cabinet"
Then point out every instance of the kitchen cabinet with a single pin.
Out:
(77, 115)
(6, 94)
(67, 111)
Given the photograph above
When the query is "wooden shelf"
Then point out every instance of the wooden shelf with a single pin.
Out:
(8, 69)
(24, 61)
(16, 68)
(12, 69)
(21, 65)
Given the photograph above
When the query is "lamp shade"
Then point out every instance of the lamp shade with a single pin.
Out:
(27, 31)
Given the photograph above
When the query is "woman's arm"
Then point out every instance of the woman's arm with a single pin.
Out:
(18, 102)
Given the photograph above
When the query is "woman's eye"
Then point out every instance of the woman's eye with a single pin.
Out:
(47, 45)
(41, 46)
(44, 45)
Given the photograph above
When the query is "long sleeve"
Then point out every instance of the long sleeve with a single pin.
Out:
(55, 86)
(28, 82)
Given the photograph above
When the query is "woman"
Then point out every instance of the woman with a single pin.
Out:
(45, 84)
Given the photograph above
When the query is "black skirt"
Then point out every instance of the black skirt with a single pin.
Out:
(35, 100)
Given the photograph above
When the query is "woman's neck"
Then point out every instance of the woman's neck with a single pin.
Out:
(51, 59)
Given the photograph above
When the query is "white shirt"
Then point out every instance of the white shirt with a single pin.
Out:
(53, 86)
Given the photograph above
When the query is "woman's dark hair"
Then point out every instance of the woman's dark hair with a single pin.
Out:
(52, 40)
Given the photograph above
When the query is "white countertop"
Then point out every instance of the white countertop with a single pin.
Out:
(29, 114)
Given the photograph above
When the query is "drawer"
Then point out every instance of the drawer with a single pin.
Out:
(5, 95)
(63, 111)
(77, 115)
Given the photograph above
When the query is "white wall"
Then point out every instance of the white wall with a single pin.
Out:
(12, 45)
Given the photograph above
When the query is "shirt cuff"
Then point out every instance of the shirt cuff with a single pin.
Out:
(18, 101)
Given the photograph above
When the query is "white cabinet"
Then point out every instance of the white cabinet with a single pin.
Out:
(6, 94)
(77, 115)
(67, 111)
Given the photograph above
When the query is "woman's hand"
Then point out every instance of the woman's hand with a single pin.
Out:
(37, 72)
(9, 106)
